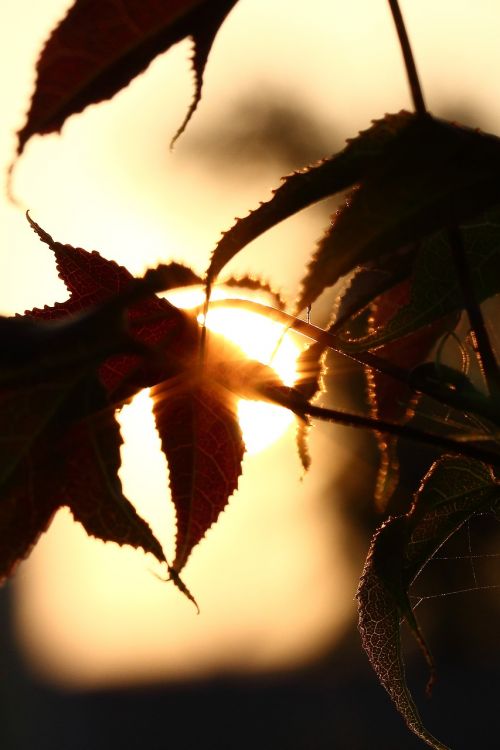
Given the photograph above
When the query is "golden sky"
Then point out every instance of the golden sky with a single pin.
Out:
(272, 578)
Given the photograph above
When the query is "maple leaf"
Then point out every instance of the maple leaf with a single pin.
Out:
(390, 400)
(431, 174)
(409, 175)
(55, 423)
(194, 403)
(309, 185)
(101, 45)
(453, 491)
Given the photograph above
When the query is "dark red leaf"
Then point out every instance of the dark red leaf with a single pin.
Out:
(101, 45)
(194, 405)
(92, 489)
(26, 508)
(196, 418)
(91, 279)
(201, 438)
(61, 447)
(392, 400)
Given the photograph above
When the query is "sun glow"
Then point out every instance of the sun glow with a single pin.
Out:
(259, 338)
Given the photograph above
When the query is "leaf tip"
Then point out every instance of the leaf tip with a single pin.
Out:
(174, 576)
(198, 61)
(43, 235)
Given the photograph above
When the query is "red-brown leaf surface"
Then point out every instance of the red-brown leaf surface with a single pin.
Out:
(27, 508)
(61, 442)
(201, 438)
(196, 418)
(92, 489)
(101, 45)
(60, 447)
(91, 279)
(390, 399)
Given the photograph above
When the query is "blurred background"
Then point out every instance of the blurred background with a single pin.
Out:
(95, 651)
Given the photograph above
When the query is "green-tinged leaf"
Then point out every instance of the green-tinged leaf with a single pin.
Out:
(453, 490)
(312, 184)
(430, 175)
(435, 289)
(365, 285)
(101, 45)
(443, 377)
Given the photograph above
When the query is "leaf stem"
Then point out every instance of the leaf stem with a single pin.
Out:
(414, 380)
(481, 341)
(403, 431)
(409, 60)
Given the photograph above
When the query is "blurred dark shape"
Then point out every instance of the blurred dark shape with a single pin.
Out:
(266, 128)
(463, 114)
(335, 705)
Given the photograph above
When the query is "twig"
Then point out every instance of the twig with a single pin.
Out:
(414, 380)
(403, 431)
(411, 68)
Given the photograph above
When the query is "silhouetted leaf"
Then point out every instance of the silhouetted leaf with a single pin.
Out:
(101, 45)
(92, 488)
(389, 399)
(61, 446)
(91, 279)
(312, 184)
(194, 402)
(255, 284)
(29, 471)
(430, 175)
(453, 490)
(435, 288)
(201, 438)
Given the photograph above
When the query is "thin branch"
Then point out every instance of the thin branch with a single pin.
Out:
(482, 344)
(411, 68)
(415, 381)
(403, 431)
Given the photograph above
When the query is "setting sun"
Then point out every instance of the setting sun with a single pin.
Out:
(259, 338)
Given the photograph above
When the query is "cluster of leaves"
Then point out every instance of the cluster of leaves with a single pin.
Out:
(418, 239)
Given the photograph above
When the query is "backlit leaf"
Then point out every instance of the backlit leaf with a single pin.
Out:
(101, 45)
(389, 399)
(29, 470)
(194, 401)
(92, 488)
(435, 290)
(201, 438)
(307, 186)
(430, 175)
(60, 447)
(91, 279)
(453, 490)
